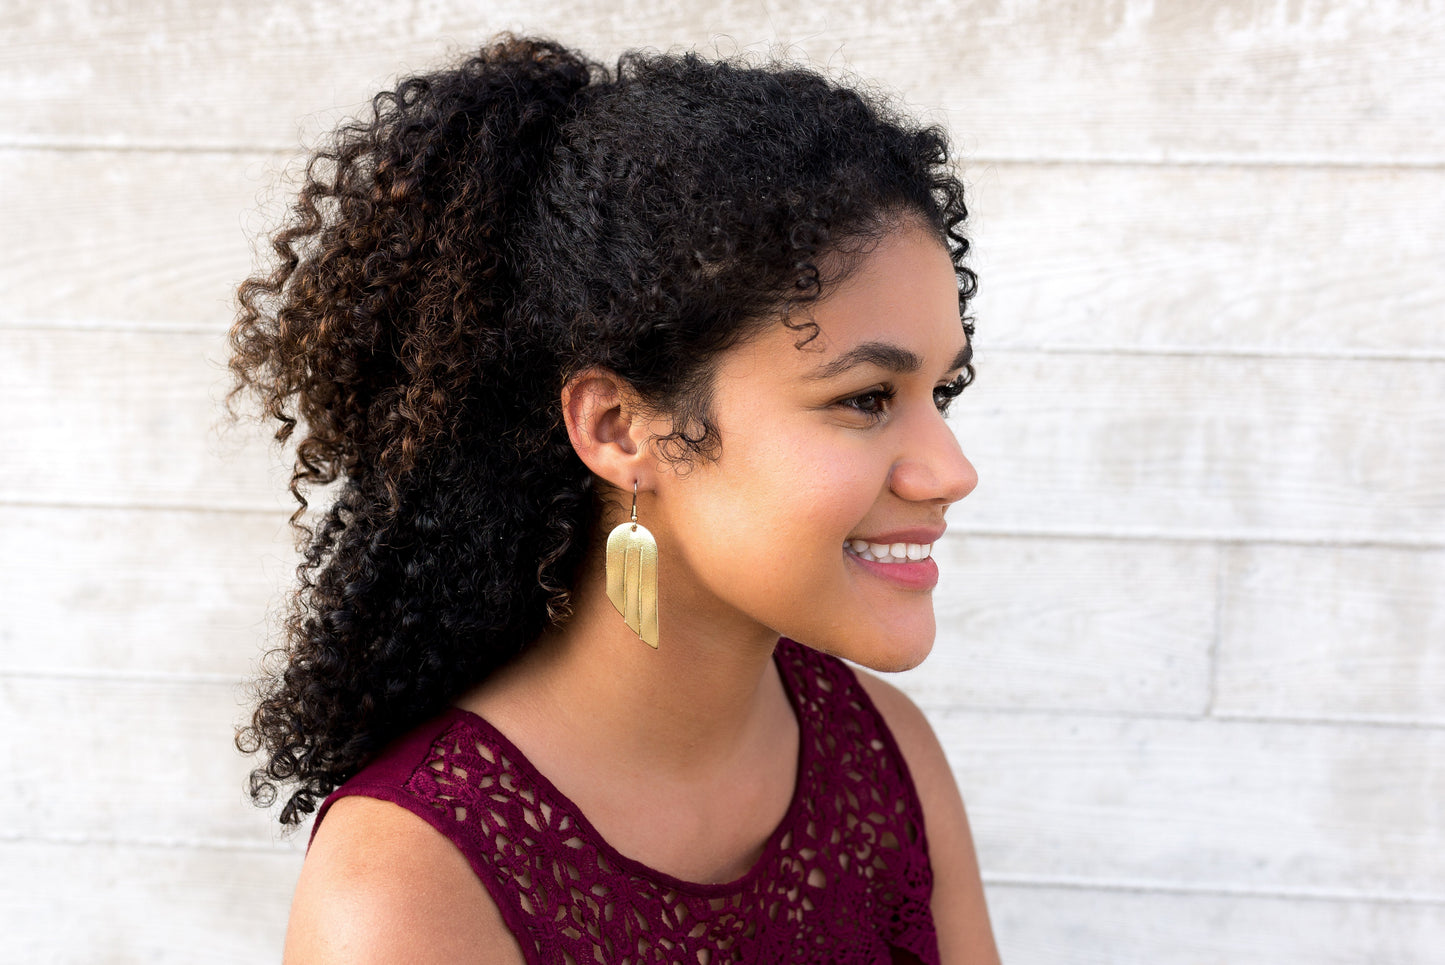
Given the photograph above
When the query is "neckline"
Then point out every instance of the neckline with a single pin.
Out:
(632, 865)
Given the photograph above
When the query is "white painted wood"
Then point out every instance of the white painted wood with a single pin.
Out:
(108, 904)
(1308, 261)
(1332, 633)
(1312, 261)
(117, 419)
(133, 239)
(1076, 624)
(152, 593)
(1173, 803)
(1038, 925)
(1237, 448)
(1347, 80)
(1097, 625)
(1187, 181)
(1315, 450)
(1347, 811)
(126, 760)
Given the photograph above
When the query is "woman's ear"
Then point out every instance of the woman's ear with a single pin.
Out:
(609, 428)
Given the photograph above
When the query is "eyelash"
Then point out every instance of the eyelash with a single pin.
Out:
(943, 397)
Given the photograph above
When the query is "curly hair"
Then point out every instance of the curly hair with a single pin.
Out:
(489, 231)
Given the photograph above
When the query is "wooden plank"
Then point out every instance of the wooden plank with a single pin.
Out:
(126, 760)
(96, 903)
(1353, 79)
(1332, 633)
(1233, 806)
(1095, 625)
(1198, 259)
(116, 418)
(1040, 925)
(133, 592)
(1150, 802)
(1279, 449)
(1069, 624)
(1250, 448)
(1071, 256)
(155, 240)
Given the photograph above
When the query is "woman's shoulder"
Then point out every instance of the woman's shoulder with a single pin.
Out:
(382, 881)
(959, 911)
(380, 884)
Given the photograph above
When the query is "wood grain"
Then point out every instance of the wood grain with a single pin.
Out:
(1188, 669)
(117, 239)
(1097, 625)
(1302, 261)
(1207, 260)
(127, 419)
(1168, 803)
(111, 904)
(1069, 624)
(1348, 80)
(1341, 633)
(125, 592)
(1233, 806)
(1303, 450)
(128, 761)
(1036, 925)
(1264, 449)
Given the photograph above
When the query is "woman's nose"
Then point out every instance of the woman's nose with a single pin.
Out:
(934, 468)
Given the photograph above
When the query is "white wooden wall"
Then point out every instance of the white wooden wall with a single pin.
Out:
(1191, 670)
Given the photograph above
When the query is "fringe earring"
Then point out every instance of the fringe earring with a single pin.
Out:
(632, 575)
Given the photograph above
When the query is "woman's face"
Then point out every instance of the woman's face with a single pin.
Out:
(830, 449)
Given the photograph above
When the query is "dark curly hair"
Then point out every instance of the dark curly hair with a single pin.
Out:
(489, 231)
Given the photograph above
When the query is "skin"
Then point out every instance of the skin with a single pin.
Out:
(684, 758)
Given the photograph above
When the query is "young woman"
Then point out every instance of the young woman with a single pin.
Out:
(625, 381)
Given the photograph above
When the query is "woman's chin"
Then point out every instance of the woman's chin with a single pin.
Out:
(890, 653)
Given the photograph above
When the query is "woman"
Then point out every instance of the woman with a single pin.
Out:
(620, 378)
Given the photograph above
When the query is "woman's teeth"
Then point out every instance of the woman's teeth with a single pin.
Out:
(890, 552)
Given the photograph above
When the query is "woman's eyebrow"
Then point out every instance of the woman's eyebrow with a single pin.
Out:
(884, 355)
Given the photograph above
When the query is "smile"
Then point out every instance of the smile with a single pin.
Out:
(889, 552)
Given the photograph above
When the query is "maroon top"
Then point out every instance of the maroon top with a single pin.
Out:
(844, 879)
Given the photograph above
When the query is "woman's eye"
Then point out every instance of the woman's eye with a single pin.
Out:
(873, 404)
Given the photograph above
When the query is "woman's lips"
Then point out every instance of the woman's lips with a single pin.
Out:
(912, 574)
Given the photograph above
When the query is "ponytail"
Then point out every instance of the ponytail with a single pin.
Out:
(387, 300)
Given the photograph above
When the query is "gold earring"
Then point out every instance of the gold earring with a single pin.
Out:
(632, 575)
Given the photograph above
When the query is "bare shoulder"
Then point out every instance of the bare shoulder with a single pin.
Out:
(379, 884)
(959, 911)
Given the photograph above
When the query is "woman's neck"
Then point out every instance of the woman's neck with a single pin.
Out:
(708, 694)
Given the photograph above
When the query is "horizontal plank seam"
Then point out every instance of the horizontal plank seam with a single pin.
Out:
(169, 843)
(102, 147)
(281, 847)
(1235, 537)
(1230, 352)
(1353, 722)
(1333, 895)
(122, 675)
(1199, 159)
(1238, 537)
(965, 160)
(217, 509)
(219, 331)
(200, 678)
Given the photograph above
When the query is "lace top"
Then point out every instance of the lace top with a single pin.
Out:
(844, 879)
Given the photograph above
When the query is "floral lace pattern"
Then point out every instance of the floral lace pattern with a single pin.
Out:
(843, 879)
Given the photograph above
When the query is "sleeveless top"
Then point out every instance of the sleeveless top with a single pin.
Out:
(844, 879)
